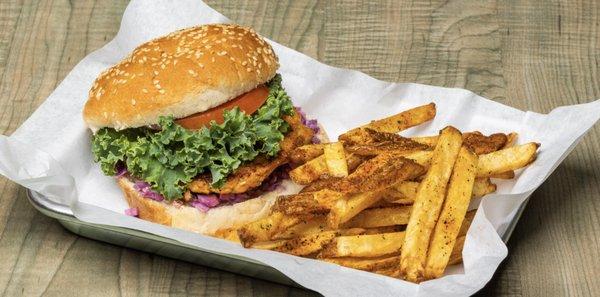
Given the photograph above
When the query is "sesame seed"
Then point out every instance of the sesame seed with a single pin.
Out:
(248, 69)
(132, 101)
(161, 91)
(222, 53)
(144, 90)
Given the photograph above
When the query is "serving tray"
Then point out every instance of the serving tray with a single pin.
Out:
(163, 246)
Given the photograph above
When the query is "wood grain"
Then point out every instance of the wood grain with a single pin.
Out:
(525, 53)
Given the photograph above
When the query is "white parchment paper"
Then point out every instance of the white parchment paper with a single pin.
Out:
(50, 152)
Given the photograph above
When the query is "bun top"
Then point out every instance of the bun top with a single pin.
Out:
(185, 72)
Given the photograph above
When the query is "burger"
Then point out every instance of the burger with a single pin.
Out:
(197, 128)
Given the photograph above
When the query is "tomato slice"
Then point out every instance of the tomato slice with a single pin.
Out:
(248, 102)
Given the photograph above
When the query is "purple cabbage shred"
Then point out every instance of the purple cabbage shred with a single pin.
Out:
(132, 212)
(312, 124)
(144, 189)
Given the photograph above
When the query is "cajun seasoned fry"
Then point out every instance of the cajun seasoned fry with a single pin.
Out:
(398, 146)
(344, 209)
(464, 227)
(422, 158)
(312, 203)
(312, 225)
(428, 204)
(479, 143)
(227, 234)
(405, 192)
(374, 174)
(452, 214)
(263, 229)
(429, 141)
(511, 139)
(309, 171)
(373, 245)
(317, 168)
(335, 158)
(482, 187)
(504, 175)
(366, 264)
(507, 159)
(307, 244)
(405, 119)
(456, 254)
(306, 153)
(393, 124)
(380, 217)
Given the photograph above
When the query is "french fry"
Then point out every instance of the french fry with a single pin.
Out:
(466, 223)
(399, 146)
(227, 234)
(429, 141)
(306, 153)
(504, 175)
(428, 204)
(374, 174)
(307, 244)
(309, 171)
(507, 159)
(497, 162)
(479, 143)
(453, 213)
(511, 139)
(482, 187)
(392, 124)
(384, 229)
(312, 203)
(456, 254)
(313, 225)
(366, 264)
(404, 120)
(380, 217)
(263, 229)
(268, 245)
(373, 245)
(345, 209)
(422, 158)
(321, 184)
(317, 168)
(404, 193)
(335, 158)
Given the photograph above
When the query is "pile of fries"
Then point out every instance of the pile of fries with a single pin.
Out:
(380, 202)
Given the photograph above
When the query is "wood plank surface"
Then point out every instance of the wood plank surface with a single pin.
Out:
(529, 54)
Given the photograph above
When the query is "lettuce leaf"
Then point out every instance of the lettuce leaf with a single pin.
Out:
(170, 157)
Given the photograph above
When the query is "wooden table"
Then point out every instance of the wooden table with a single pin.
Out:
(523, 53)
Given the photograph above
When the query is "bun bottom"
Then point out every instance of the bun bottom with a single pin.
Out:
(191, 219)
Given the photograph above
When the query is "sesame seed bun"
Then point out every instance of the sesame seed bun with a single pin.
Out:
(185, 72)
